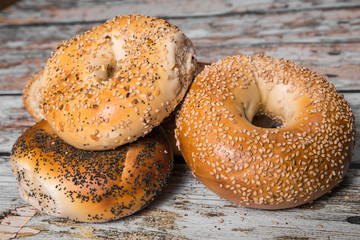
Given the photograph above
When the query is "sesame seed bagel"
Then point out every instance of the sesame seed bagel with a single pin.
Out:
(169, 127)
(114, 83)
(263, 166)
(89, 186)
(31, 95)
(169, 124)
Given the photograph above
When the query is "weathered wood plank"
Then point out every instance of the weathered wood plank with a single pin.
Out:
(42, 11)
(322, 27)
(327, 41)
(14, 120)
(339, 62)
(188, 210)
(321, 34)
(320, 37)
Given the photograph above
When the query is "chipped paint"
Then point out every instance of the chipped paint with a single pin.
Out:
(13, 223)
(330, 48)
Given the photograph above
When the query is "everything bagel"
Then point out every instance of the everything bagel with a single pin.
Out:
(31, 95)
(114, 83)
(257, 166)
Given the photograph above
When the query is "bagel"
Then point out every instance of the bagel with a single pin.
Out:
(31, 95)
(87, 186)
(169, 123)
(113, 84)
(260, 166)
(169, 127)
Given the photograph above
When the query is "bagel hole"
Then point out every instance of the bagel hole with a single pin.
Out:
(110, 70)
(265, 121)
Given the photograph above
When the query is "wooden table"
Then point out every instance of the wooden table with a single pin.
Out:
(323, 35)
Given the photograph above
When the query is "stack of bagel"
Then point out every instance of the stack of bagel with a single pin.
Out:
(99, 151)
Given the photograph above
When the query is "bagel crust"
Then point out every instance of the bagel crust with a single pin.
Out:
(264, 167)
(114, 83)
(31, 95)
(87, 186)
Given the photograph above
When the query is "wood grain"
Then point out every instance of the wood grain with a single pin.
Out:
(188, 210)
(323, 35)
(53, 11)
(339, 63)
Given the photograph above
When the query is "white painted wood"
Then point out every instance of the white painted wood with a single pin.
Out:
(321, 34)
(13, 121)
(43, 11)
(188, 210)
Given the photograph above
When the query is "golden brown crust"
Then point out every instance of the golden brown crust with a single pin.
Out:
(99, 186)
(31, 95)
(270, 168)
(113, 84)
(169, 124)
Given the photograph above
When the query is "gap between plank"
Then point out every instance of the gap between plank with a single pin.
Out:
(207, 15)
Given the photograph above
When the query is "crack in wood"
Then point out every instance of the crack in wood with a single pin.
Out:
(188, 17)
(354, 219)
